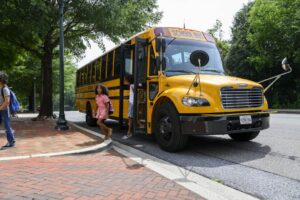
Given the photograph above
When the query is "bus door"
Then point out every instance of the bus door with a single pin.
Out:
(140, 86)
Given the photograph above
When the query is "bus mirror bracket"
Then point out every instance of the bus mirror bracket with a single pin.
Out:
(160, 44)
(285, 66)
(161, 63)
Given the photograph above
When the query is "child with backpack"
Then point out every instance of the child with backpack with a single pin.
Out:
(103, 108)
(4, 109)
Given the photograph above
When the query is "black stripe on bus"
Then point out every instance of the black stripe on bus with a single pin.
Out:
(86, 98)
(97, 81)
(117, 97)
(112, 97)
(109, 88)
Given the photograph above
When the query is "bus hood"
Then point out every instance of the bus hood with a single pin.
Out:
(217, 81)
(178, 87)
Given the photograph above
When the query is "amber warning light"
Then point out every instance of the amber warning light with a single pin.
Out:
(184, 33)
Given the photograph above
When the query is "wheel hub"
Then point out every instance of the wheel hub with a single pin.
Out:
(166, 128)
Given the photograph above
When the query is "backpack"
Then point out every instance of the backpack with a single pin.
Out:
(14, 105)
(111, 108)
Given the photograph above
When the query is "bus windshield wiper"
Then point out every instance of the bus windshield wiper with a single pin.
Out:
(211, 70)
(170, 42)
(184, 71)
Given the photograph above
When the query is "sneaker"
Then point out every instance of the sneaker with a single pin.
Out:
(9, 145)
(125, 137)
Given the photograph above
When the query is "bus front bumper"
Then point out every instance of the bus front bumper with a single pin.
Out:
(214, 125)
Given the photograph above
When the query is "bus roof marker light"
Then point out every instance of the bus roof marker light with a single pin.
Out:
(209, 37)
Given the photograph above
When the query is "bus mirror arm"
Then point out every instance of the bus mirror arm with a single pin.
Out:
(287, 69)
(161, 63)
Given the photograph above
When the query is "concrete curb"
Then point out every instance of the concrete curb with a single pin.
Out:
(96, 148)
(285, 111)
(201, 185)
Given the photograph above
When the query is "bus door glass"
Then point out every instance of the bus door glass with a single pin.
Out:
(140, 86)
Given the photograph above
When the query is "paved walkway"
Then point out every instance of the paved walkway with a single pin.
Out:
(41, 137)
(103, 175)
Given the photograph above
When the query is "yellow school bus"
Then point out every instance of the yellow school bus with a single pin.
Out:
(180, 88)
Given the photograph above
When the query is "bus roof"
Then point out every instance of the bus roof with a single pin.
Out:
(166, 32)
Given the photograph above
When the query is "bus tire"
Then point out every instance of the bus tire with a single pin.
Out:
(89, 119)
(244, 137)
(167, 128)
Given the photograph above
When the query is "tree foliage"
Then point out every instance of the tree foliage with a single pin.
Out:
(33, 26)
(23, 75)
(217, 33)
(237, 59)
(264, 32)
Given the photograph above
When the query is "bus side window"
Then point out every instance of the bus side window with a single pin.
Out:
(128, 62)
(103, 68)
(118, 61)
(97, 66)
(81, 77)
(88, 74)
(110, 64)
(153, 67)
(77, 78)
(93, 65)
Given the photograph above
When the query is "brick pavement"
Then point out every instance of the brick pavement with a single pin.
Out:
(107, 175)
(41, 137)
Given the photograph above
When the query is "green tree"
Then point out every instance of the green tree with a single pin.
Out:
(32, 25)
(22, 75)
(274, 34)
(217, 33)
(237, 59)
(21, 78)
(263, 33)
(9, 55)
(70, 73)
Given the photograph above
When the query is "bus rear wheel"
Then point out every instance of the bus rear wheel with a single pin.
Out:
(90, 121)
(243, 137)
(167, 128)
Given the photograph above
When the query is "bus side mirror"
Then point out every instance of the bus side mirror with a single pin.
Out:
(199, 58)
(285, 65)
(160, 44)
(159, 62)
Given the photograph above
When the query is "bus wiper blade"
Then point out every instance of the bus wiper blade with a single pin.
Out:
(170, 42)
(212, 70)
(184, 71)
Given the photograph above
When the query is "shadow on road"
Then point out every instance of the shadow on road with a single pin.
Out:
(201, 151)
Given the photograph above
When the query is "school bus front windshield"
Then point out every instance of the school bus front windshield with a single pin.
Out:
(178, 53)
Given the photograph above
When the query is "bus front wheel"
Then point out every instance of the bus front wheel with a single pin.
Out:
(167, 128)
(244, 136)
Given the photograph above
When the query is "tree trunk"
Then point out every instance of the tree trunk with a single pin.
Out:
(46, 108)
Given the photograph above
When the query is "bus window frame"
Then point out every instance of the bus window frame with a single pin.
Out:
(109, 67)
(103, 68)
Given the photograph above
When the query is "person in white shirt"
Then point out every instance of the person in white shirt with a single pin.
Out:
(129, 80)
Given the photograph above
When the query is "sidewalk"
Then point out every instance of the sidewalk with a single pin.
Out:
(101, 175)
(40, 137)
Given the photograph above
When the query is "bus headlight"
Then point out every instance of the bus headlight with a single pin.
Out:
(192, 101)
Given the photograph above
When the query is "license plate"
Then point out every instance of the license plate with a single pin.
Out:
(245, 119)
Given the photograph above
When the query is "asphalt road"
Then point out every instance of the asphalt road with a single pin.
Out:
(267, 167)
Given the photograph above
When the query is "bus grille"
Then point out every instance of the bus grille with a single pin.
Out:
(241, 98)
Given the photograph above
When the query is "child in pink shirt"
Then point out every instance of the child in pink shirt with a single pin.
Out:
(102, 109)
